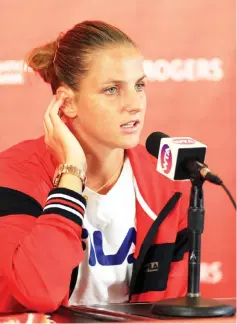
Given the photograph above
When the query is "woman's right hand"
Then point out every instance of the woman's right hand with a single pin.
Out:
(59, 139)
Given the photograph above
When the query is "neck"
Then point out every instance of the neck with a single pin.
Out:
(103, 169)
(103, 163)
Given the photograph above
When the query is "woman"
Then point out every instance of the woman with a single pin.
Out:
(78, 204)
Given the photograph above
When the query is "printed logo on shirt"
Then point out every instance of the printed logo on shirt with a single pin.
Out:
(97, 253)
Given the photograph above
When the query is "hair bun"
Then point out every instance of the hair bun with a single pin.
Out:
(40, 59)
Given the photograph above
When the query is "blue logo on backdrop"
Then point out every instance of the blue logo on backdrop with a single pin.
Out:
(97, 253)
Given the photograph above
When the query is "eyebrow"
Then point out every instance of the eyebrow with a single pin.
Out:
(121, 81)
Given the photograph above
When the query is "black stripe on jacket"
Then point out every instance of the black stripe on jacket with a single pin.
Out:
(16, 202)
(181, 245)
(152, 266)
(153, 275)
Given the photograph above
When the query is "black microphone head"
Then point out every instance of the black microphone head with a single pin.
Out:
(153, 143)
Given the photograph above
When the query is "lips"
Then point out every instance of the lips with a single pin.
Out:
(130, 123)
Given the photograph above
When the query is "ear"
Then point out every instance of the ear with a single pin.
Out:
(69, 108)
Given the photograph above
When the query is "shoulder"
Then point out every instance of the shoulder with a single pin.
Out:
(27, 167)
(23, 150)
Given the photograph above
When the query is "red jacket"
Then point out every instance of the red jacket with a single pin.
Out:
(41, 245)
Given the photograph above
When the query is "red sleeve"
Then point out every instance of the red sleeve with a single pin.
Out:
(40, 245)
(178, 274)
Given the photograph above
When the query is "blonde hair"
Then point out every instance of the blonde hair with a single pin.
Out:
(66, 60)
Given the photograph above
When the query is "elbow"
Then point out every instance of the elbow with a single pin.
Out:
(41, 303)
(43, 306)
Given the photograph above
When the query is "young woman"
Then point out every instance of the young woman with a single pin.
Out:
(80, 207)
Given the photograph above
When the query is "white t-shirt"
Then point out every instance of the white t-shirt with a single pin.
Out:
(104, 275)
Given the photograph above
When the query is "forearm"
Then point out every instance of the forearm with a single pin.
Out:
(37, 262)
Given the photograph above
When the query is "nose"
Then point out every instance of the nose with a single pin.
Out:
(134, 102)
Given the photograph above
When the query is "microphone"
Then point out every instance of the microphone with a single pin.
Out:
(180, 158)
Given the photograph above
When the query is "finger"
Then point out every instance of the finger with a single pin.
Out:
(46, 135)
(47, 119)
(54, 112)
(48, 124)
(52, 102)
(46, 128)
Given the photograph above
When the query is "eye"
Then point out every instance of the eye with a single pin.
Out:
(111, 90)
(140, 86)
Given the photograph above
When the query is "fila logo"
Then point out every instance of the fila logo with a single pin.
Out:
(152, 267)
(97, 254)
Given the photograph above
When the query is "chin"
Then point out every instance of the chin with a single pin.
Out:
(130, 142)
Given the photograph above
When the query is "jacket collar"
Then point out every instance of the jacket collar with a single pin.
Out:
(152, 189)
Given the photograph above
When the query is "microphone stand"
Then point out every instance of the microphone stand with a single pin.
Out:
(193, 305)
